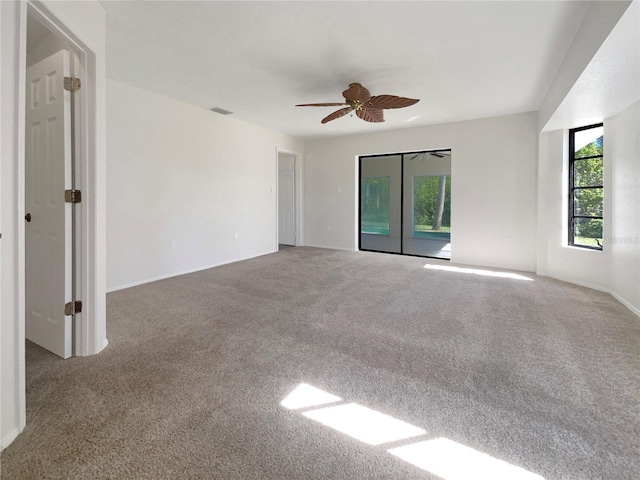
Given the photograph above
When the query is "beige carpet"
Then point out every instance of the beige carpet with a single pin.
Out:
(541, 375)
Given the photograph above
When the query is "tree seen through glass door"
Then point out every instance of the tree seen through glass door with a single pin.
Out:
(432, 206)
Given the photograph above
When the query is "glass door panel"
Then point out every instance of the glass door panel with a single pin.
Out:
(380, 203)
(427, 204)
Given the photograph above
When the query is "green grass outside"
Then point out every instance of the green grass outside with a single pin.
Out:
(588, 241)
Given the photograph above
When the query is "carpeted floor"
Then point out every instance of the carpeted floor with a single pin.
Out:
(540, 374)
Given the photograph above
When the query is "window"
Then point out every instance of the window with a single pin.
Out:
(585, 187)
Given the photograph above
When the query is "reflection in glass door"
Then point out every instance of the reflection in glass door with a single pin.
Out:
(380, 203)
(375, 205)
(405, 203)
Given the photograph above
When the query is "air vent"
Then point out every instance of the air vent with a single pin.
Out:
(221, 111)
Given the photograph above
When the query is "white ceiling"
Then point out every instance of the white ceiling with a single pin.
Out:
(611, 81)
(463, 60)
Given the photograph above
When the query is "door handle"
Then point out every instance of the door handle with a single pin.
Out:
(27, 217)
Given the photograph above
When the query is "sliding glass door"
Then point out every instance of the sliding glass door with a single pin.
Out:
(405, 203)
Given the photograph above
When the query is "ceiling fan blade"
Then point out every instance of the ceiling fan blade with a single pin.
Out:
(336, 114)
(441, 153)
(391, 101)
(357, 92)
(334, 104)
(373, 115)
(422, 154)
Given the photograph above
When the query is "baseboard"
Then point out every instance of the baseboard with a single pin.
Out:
(577, 282)
(626, 303)
(615, 295)
(9, 438)
(183, 272)
(330, 248)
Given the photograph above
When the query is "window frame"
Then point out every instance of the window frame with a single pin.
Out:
(572, 188)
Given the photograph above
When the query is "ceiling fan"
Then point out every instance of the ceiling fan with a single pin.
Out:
(436, 153)
(367, 108)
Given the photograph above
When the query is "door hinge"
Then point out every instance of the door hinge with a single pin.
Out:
(72, 84)
(72, 308)
(72, 196)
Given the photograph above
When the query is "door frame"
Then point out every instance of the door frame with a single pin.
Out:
(90, 326)
(84, 161)
(298, 196)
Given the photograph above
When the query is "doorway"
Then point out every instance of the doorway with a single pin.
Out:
(405, 203)
(286, 200)
(52, 202)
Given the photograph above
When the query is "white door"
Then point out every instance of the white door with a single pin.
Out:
(286, 200)
(48, 228)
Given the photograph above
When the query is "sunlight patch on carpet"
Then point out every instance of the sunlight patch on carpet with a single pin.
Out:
(454, 461)
(305, 395)
(445, 458)
(364, 424)
(477, 271)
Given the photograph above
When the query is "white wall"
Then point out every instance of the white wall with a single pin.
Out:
(180, 173)
(624, 139)
(84, 22)
(493, 198)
